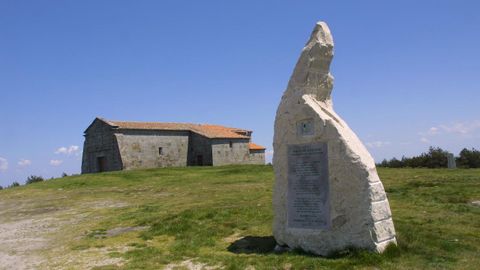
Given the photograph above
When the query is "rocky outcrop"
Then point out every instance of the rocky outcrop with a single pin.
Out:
(327, 194)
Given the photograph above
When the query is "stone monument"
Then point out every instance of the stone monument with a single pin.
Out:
(327, 194)
(451, 161)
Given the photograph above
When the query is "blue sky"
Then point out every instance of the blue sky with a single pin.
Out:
(407, 74)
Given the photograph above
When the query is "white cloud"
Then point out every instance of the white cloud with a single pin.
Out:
(433, 131)
(72, 149)
(61, 150)
(56, 162)
(464, 128)
(24, 162)
(459, 128)
(451, 131)
(3, 164)
(377, 144)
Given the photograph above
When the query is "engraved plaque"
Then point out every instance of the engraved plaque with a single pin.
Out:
(305, 128)
(308, 202)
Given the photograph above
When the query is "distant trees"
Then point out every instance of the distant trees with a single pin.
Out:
(469, 158)
(34, 179)
(435, 158)
(30, 180)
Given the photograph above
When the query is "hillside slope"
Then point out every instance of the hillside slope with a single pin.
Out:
(220, 217)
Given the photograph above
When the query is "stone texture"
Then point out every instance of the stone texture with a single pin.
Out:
(140, 149)
(359, 211)
(227, 151)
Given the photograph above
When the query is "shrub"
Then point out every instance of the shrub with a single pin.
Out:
(1, 187)
(436, 157)
(15, 184)
(34, 179)
(395, 163)
(469, 158)
(64, 174)
(384, 163)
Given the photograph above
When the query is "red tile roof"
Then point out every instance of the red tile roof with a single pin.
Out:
(209, 131)
(253, 146)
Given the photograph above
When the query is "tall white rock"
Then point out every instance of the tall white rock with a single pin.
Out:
(327, 194)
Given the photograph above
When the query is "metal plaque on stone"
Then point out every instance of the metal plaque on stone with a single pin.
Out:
(305, 127)
(308, 202)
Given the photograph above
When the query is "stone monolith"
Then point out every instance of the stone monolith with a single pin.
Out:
(451, 161)
(327, 194)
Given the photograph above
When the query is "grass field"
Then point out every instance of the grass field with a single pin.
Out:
(220, 217)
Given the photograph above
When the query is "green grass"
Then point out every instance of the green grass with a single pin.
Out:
(198, 212)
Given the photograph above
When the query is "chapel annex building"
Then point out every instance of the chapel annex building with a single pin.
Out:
(117, 145)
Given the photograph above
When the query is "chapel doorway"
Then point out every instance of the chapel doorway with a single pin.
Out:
(102, 164)
(199, 160)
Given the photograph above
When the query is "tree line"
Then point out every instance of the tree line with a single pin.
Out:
(435, 157)
(30, 180)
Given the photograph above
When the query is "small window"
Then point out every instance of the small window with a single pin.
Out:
(160, 151)
(231, 144)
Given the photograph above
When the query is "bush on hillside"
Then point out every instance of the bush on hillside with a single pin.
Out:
(15, 184)
(1, 187)
(34, 179)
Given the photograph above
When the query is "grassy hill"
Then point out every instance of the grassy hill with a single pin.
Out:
(220, 217)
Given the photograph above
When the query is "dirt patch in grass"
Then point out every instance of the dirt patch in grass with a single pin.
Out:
(105, 204)
(232, 238)
(21, 239)
(89, 258)
(190, 264)
(34, 236)
(118, 231)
